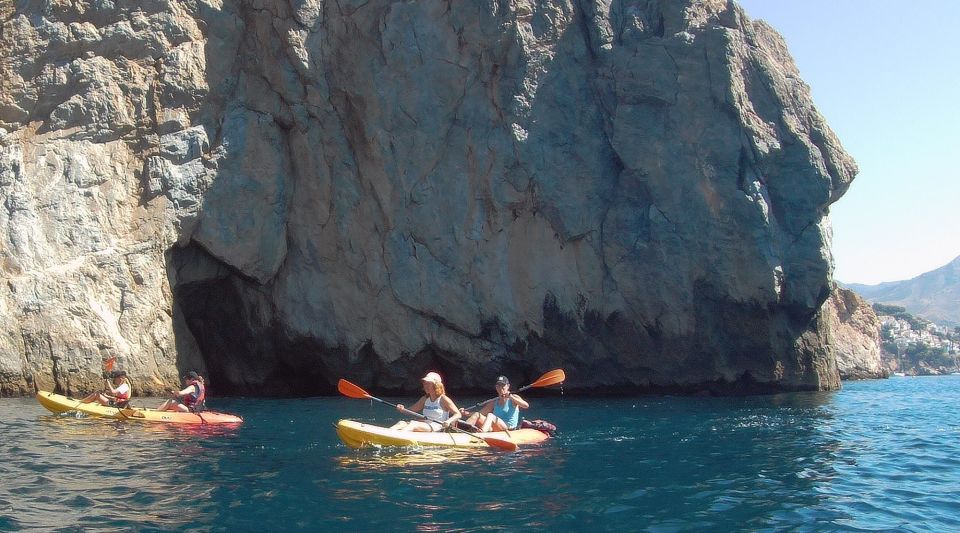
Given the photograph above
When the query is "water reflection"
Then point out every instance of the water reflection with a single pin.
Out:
(439, 488)
(65, 471)
(378, 459)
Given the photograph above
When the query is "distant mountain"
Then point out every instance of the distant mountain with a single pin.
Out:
(934, 295)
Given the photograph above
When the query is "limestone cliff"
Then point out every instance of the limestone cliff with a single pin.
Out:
(281, 193)
(856, 331)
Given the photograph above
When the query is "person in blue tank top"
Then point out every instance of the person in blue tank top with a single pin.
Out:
(500, 414)
(434, 404)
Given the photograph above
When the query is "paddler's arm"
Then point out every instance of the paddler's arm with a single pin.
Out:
(521, 403)
(487, 408)
(184, 392)
(451, 408)
(416, 408)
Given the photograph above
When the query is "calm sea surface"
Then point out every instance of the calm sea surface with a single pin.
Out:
(879, 455)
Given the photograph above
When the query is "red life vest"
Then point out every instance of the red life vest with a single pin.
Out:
(121, 399)
(195, 399)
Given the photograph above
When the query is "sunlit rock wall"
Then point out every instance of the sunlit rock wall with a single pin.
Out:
(283, 193)
(856, 331)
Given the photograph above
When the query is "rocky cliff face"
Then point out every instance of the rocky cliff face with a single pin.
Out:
(856, 331)
(282, 193)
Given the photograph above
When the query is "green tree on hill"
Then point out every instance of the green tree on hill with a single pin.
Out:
(916, 323)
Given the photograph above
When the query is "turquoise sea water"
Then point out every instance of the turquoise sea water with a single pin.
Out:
(878, 455)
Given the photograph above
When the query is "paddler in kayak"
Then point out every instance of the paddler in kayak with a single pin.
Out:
(500, 414)
(189, 400)
(119, 395)
(434, 404)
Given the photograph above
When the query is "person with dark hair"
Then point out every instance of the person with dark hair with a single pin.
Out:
(434, 404)
(500, 414)
(118, 395)
(189, 400)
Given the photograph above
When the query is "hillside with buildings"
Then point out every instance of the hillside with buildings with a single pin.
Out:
(915, 346)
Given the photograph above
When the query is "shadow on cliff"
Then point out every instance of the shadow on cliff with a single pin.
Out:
(229, 323)
(225, 324)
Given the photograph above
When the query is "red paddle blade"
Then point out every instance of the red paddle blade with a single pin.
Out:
(550, 378)
(503, 444)
(108, 364)
(351, 391)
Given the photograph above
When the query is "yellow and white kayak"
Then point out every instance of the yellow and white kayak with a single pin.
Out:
(358, 435)
(58, 403)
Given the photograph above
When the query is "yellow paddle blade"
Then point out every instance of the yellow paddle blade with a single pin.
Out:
(108, 364)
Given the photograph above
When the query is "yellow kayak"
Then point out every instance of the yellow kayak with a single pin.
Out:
(358, 435)
(58, 403)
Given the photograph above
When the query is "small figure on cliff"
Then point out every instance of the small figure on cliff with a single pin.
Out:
(189, 400)
(434, 404)
(119, 395)
(500, 414)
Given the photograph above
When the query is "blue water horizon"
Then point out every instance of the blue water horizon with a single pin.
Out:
(876, 456)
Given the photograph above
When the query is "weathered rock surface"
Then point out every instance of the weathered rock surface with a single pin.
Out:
(856, 331)
(281, 193)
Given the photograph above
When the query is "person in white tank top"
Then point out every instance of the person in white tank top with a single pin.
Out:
(118, 395)
(434, 404)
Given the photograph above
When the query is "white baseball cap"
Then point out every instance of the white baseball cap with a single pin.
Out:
(432, 377)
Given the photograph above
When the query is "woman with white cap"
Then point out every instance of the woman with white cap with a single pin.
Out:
(434, 404)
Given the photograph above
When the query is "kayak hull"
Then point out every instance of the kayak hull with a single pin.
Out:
(359, 435)
(58, 403)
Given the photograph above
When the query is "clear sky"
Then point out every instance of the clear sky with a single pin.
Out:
(886, 76)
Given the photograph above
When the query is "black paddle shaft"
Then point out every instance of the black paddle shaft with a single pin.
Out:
(485, 402)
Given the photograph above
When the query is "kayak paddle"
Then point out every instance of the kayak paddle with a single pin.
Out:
(353, 391)
(126, 413)
(550, 378)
